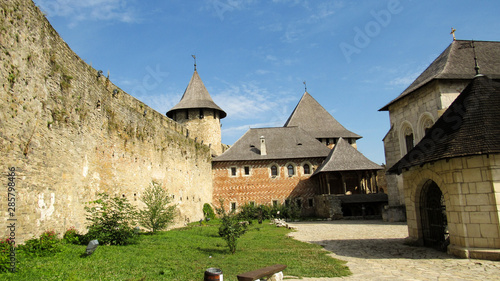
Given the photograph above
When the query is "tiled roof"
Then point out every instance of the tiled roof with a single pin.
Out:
(457, 62)
(344, 157)
(196, 96)
(281, 143)
(313, 118)
(470, 126)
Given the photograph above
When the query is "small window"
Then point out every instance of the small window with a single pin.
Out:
(310, 202)
(299, 203)
(233, 171)
(201, 116)
(409, 142)
(247, 170)
(274, 171)
(291, 170)
(327, 141)
(233, 206)
(307, 169)
(275, 203)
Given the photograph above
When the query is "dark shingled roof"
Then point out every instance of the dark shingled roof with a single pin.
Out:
(196, 96)
(470, 126)
(344, 157)
(281, 143)
(313, 118)
(457, 62)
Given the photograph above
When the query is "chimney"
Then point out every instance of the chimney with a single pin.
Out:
(263, 150)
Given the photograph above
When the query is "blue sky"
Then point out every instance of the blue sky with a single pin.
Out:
(253, 55)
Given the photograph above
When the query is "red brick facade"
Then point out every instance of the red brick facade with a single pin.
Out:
(260, 187)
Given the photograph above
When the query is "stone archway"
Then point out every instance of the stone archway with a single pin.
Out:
(433, 216)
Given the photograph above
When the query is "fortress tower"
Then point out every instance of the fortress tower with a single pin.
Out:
(198, 112)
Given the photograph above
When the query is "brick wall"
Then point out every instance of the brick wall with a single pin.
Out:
(260, 187)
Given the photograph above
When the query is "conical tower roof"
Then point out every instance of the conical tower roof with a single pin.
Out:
(344, 157)
(196, 96)
(314, 119)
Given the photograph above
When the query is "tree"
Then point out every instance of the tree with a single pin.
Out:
(112, 220)
(231, 228)
(157, 214)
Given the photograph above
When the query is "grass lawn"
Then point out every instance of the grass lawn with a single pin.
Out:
(183, 254)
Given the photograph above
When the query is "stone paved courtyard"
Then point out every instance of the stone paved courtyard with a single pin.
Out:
(375, 250)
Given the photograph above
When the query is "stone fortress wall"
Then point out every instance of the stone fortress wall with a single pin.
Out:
(70, 133)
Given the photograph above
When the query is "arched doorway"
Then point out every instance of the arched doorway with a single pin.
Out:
(433, 216)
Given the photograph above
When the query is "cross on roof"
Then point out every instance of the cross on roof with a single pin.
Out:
(453, 33)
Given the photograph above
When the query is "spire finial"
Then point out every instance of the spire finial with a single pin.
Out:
(476, 65)
(453, 33)
(194, 57)
(305, 85)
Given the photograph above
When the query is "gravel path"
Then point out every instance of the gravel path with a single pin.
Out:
(374, 250)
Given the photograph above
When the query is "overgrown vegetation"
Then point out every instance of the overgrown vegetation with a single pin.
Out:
(112, 221)
(208, 212)
(5, 249)
(157, 214)
(47, 244)
(182, 254)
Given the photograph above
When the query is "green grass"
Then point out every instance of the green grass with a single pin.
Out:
(183, 254)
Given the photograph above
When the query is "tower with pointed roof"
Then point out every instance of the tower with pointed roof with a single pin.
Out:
(314, 119)
(198, 112)
(416, 109)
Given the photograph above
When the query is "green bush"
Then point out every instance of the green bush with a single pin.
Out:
(111, 221)
(71, 236)
(47, 244)
(231, 228)
(5, 248)
(208, 211)
(157, 215)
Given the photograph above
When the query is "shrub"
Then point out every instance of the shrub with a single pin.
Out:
(231, 229)
(111, 221)
(208, 212)
(5, 249)
(71, 236)
(157, 215)
(47, 244)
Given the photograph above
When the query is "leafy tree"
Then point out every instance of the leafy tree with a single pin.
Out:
(157, 214)
(112, 220)
(231, 228)
(208, 211)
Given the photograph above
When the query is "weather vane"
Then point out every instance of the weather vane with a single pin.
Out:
(453, 33)
(194, 57)
(305, 86)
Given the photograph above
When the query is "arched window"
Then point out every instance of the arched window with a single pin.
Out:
(424, 124)
(407, 138)
(274, 171)
(291, 170)
(307, 169)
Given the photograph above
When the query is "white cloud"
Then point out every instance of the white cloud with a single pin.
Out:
(98, 10)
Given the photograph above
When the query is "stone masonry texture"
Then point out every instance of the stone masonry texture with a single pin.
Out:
(70, 133)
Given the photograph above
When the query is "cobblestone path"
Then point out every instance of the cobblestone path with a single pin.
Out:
(374, 250)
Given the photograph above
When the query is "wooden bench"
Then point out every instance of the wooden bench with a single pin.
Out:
(261, 272)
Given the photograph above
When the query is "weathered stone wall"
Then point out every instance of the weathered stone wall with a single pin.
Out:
(417, 111)
(260, 187)
(206, 129)
(471, 190)
(71, 134)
